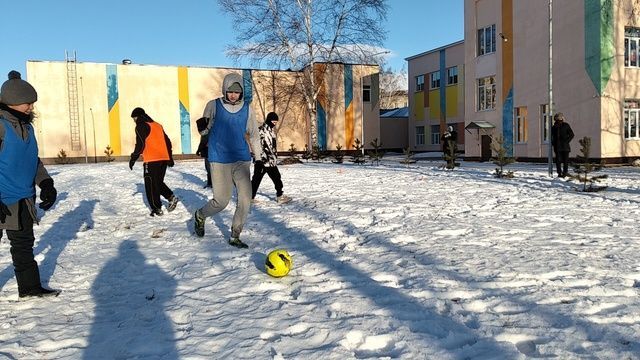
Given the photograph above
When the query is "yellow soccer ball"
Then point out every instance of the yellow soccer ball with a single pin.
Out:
(278, 263)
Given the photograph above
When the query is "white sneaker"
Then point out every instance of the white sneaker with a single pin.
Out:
(283, 199)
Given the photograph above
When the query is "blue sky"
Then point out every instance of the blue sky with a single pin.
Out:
(189, 32)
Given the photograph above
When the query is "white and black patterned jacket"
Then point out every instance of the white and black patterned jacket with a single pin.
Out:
(269, 146)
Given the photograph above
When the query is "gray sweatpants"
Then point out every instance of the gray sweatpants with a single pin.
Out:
(224, 177)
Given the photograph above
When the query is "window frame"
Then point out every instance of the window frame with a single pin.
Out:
(631, 120)
(632, 47)
(486, 38)
(520, 132)
(366, 93)
(435, 134)
(434, 80)
(486, 86)
(545, 129)
(420, 137)
(452, 79)
(419, 83)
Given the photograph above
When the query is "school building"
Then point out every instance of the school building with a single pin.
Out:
(436, 96)
(83, 107)
(505, 73)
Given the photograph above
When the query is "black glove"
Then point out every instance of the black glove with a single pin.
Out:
(202, 123)
(48, 194)
(131, 162)
(198, 152)
(4, 212)
(171, 163)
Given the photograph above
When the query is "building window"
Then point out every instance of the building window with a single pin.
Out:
(452, 75)
(435, 134)
(631, 47)
(631, 119)
(520, 124)
(486, 40)
(419, 135)
(544, 122)
(366, 93)
(487, 93)
(419, 82)
(434, 80)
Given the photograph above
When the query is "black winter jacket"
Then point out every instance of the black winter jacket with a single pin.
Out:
(561, 136)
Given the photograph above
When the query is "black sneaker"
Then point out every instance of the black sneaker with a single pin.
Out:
(156, 212)
(198, 223)
(41, 292)
(173, 202)
(235, 241)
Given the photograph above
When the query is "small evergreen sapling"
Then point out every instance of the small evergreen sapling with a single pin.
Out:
(408, 157)
(293, 158)
(62, 157)
(357, 156)
(307, 153)
(338, 155)
(583, 168)
(501, 159)
(377, 153)
(108, 152)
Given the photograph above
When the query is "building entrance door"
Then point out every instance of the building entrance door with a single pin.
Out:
(485, 148)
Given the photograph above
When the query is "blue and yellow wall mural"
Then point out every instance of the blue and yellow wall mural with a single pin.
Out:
(113, 109)
(183, 103)
(507, 74)
(321, 107)
(349, 117)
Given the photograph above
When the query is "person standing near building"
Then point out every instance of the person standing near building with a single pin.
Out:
(20, 170)
(154, 145)
(268, 163)
(561, 136)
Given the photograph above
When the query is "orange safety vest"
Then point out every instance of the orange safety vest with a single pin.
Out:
(155, 148)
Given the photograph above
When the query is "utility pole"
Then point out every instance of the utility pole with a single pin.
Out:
(551, 111)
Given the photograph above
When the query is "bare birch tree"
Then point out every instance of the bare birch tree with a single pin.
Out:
(297, 34)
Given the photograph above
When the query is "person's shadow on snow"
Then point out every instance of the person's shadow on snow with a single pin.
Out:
(56, 238)
(130, 321)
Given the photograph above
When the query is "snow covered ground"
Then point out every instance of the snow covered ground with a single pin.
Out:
(390, 261)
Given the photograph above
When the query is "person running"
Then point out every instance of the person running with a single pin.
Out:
(154, 145)
(233, 133)
(268, 163)
(20, 170)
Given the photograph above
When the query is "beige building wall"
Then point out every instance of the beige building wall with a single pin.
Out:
(590, 80)
(175, 97)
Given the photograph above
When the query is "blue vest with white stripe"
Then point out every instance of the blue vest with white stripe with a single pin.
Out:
(18, 164)
(227, 143)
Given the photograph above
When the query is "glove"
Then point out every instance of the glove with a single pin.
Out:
(171, 163)
(258, 163)
(131, 162)
(4, 212)
(202, 123)
(48, 194)
(198, 152)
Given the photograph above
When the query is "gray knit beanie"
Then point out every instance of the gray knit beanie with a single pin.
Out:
(16, 91)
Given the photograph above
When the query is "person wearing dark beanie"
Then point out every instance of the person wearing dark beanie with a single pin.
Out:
(155, 147)
(20, 170)
(268, 163)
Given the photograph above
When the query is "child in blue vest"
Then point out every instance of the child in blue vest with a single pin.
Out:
(20, 170)
(232, 135)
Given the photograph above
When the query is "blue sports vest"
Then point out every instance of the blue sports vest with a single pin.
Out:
(18, 164)
(227, 143)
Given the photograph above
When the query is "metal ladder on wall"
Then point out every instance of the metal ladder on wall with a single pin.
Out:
(72, 92)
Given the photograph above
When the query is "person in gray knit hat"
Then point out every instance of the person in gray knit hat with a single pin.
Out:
(20, 170)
